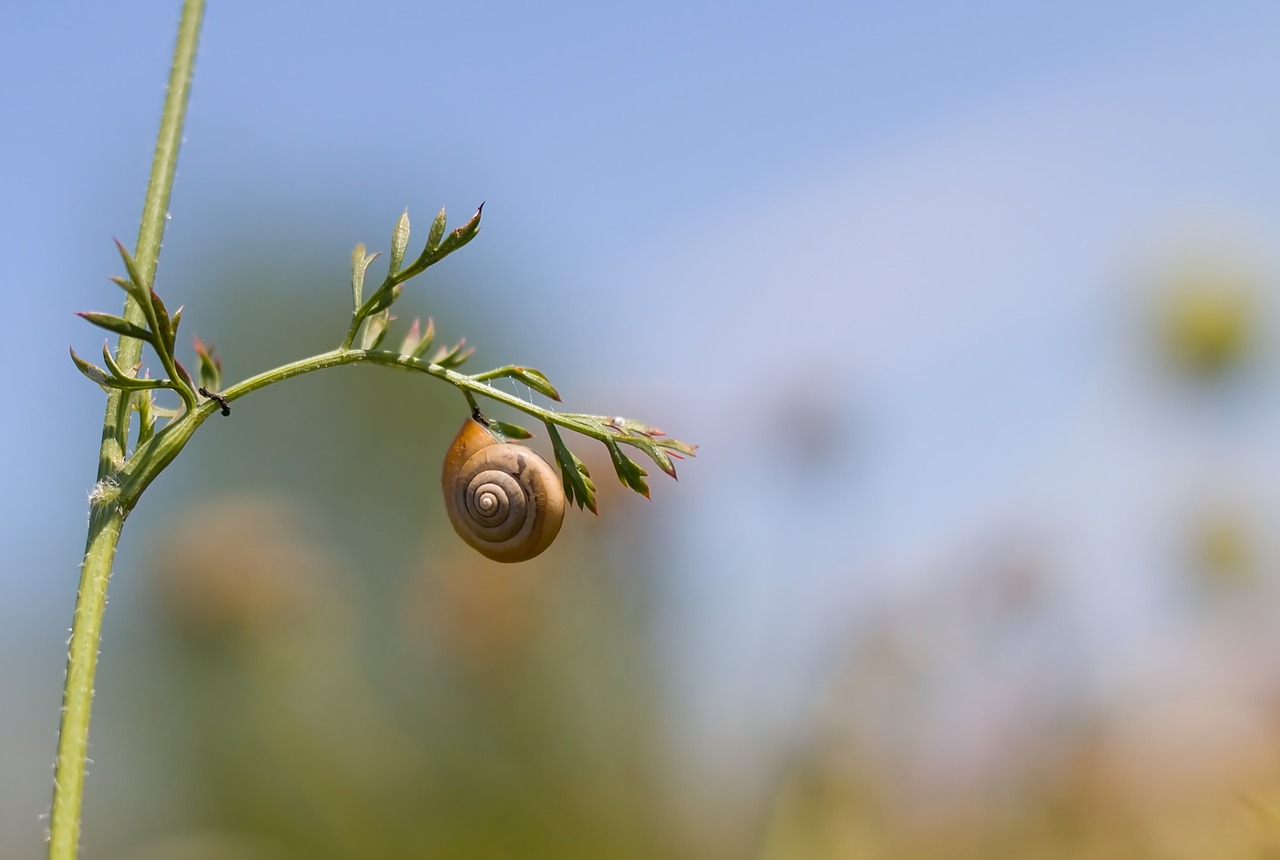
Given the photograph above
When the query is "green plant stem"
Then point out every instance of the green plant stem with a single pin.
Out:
(73, 738)
(106, 514)
(155, 207)
(150, 458)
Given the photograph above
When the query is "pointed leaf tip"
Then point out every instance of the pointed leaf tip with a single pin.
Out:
(538, 381)
(91, 371)
(509, 431)
(411, 337)
(659, 456)
(210, 366)
(579, 489)
(425, 342)
(130, 266)
(450, 357)
(629, 472)
(116, 324)
(166, 336)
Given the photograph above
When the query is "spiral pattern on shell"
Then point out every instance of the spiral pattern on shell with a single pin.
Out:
(502, 499)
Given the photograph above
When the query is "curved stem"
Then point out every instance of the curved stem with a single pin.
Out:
(151, 457)
(107, 514)
(469, 385)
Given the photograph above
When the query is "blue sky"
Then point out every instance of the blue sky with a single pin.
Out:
(940, 199)
(603, 140)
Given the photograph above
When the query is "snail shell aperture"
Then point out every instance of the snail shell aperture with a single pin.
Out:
(503, 499)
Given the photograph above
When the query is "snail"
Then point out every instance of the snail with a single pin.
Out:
(503, 499)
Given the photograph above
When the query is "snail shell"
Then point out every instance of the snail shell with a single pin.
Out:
(503, 499)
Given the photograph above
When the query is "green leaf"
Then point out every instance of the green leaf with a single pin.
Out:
(530, 377)
(110, 361)
(185, 375)
(459, 237)
(131, 383)
(380, 301)
(436, 234)
(628, 471)
(399, 242)
(210, 368)
(449, 357)
(165, 324)
(411, 338)
(375, 329)
(677, 445)
(360, 261)
(644, 437)
(427, 337)
(113, 377)
(143, 404)
(579, 489)
(508, 431)
(358, 265)
(537, 381)
(127, 381)
(116, 324)
(135, 292)
(661, 457)
(92, 371)
(439, 245)
(135, 276)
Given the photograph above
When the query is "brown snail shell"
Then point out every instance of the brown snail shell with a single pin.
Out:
(503, 499)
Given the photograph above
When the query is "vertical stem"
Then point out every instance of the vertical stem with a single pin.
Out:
(77, 695)
(155, 207)
(106, 515)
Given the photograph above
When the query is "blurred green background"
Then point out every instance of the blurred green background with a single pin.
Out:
(971, 309)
